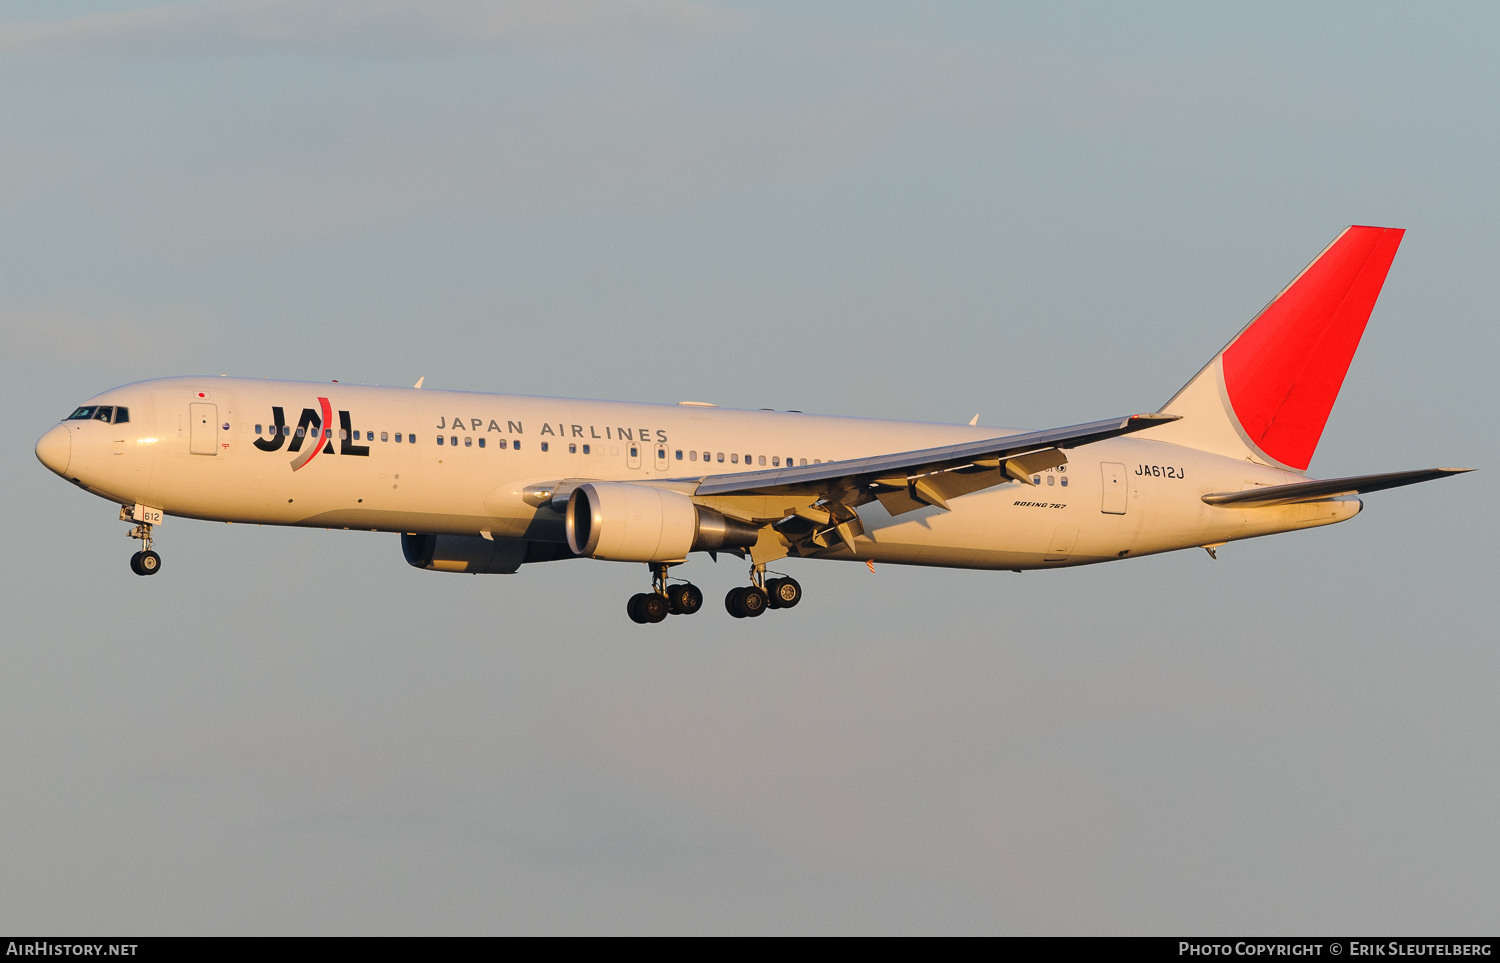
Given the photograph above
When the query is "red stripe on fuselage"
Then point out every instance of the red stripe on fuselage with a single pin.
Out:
(325, 434)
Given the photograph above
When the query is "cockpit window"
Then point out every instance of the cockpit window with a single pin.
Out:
(105, 413)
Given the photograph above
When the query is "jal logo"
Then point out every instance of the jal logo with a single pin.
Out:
(315, 426)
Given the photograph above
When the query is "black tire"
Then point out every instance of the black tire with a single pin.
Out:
(771, 585)
(633, 609)
(732, 603)
(786, 594)
(686, 599)
(653, 607)
(135, 564)
(753, 601)
(149, 563)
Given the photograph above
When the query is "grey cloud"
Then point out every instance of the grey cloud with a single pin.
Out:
(368, 26)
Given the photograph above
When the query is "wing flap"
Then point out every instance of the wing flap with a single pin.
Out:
(1327, 488)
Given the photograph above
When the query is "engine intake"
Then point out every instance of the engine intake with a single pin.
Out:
(622, 522)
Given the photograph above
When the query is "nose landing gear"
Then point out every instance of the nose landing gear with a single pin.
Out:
(146, 561)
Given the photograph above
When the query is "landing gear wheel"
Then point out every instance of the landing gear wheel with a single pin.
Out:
(684, 599)
(633, 609)
(784, 592)
(751, 602)
(135, 563)
(732, 603)
(147, 563)
(653, 607)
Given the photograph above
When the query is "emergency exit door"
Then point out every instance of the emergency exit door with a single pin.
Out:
(203, 429)
(1116, 488)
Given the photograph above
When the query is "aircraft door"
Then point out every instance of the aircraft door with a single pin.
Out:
(1116, 488)
(661, 458)
(203, 429)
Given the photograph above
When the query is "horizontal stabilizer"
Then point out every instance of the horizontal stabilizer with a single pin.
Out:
(1327, 488)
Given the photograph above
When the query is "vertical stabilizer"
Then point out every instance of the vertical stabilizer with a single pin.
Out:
(1267, 395)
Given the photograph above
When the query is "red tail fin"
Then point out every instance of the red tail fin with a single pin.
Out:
(1284, 371)
(1268, 394)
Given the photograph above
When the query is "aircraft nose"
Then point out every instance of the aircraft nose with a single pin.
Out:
(55, 449)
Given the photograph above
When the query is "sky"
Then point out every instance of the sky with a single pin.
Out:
(1045, 214)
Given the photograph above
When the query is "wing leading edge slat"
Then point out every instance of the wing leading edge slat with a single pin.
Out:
(813, 478)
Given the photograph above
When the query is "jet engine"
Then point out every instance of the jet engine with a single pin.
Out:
(638, 523)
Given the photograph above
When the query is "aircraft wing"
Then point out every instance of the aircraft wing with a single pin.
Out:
(1327, 488)
(927, 476)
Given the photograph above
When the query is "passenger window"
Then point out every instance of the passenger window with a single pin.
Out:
(301, 431)
(679, 454)
(440, 439)
(398, 437)
(734, 458)
(572, 448)
(122, 415)
(1065, 481)
(802, 461)
(692, 456)
(585, 449)
(708, 456)
(1052, 479)
(634, 451)
(257, 429)
(517, 445)
(817, 461)
(468, 441)
(343, 435)
(411, 439)
(775, 461)
(383, 436)
(453, 439)
(544, 446)
(762, 459)
(502, 442)
(721, 458)
(481, 443)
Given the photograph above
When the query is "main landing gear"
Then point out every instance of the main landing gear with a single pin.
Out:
(683, 598)
(749, 601)
(146, 561)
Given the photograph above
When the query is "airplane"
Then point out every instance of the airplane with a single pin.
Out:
(485, 483)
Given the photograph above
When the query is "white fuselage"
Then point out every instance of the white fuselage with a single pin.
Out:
(190, 449)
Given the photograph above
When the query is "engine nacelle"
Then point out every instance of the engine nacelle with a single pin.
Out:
(638, 523)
